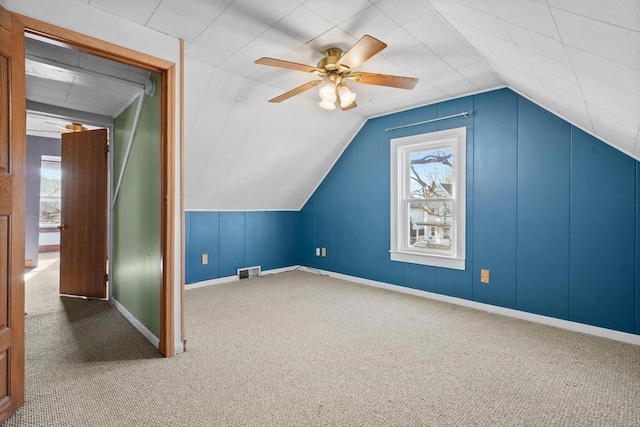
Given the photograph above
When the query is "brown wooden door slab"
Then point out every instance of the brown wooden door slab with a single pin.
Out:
(12, 205)
(83, 235)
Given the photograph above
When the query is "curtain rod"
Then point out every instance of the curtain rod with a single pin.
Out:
(466, 113)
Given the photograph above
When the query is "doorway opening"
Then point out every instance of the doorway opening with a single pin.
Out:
(67, 87)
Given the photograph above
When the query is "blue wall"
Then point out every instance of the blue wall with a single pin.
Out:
(551, 211)
(239, 239)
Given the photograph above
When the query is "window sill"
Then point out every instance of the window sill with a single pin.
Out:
(435, 261)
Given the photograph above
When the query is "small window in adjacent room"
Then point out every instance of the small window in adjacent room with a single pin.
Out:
(428, 173)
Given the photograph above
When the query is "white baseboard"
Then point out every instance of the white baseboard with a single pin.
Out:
(136, 323)
(537, 318)
(228, 279)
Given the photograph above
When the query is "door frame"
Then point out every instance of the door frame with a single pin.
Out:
(167, 71)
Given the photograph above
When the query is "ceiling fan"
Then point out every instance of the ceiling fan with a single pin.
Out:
(336, 68)
(64, 128)
(69, 128)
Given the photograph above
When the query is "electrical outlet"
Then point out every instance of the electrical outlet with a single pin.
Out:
(205, 259)
(317, 251)
(324, 252)
(484, 276)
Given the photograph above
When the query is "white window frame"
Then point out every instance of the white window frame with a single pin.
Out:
(401, 148)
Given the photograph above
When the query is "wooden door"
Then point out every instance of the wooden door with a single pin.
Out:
(12, 205)
(83, 234)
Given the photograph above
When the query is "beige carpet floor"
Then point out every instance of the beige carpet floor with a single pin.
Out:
(42, 284)
(298, 349)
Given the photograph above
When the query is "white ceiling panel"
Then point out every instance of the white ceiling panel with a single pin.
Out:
(536, 42)
(606, 40)
(368, 19)
(186, 19)
(527, 14)
(620, 75)
(303, 24)
(462, 58)
(272, 43)
(269, 12)
(446, 44)
(579, 59)
(408, 11)
(427, 27)
(479, 5)
(196, 74)
(623, 13)
(484, 21)
(225, 36)
(137, 11)
(337, 11)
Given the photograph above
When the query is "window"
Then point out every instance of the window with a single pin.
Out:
(428, 198)
(50, 186)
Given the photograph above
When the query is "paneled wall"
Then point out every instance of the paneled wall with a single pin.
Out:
(234, 240)
(137, 266)
(551, 212)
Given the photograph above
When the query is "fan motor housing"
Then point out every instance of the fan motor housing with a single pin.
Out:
(330, 60)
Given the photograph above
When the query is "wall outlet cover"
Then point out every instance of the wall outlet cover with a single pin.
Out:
(484, 276)
(205, 259)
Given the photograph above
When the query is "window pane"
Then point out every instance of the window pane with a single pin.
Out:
(431, 174)
(49, 212)
(50, 192)
(50, 178)
(430, 226)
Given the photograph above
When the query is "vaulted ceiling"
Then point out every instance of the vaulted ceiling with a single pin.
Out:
(579, 59)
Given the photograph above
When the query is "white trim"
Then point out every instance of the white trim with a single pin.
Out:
(136, 323)
(400, 152)
(428, 259)
(536, 318)
(229, 279)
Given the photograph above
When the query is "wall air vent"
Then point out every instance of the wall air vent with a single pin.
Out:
(248, 273)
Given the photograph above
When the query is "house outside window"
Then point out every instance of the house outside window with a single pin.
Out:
(428, 182)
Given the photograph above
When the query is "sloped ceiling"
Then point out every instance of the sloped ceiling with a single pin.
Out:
(579, 59)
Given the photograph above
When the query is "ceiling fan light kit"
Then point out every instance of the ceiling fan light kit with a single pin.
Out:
(335, 68)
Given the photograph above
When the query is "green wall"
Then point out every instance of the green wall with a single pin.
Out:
(137, 271)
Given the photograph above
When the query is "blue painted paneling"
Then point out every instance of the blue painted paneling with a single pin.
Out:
(291, 238)
(203, 238)
(324, 222)
(637, 254)
(231, 242)
(602, 255)
(256, 235)
(307, 242)
(495, 185)
(365, 195)
(388, 271)
(544, 150)
(421, 277)
(344, 213)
